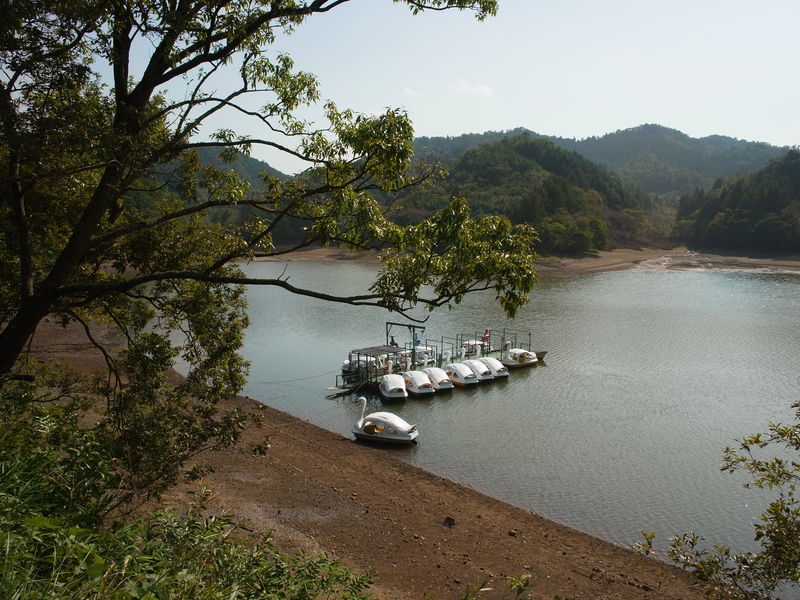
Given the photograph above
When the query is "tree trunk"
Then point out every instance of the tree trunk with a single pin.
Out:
(19, 330)
(34, 308)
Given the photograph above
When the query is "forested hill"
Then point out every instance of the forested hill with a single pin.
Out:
(450, 149)
(657, 159)
(574, 204)
(248, 168)
(759, 212)
(665, 161)
(523, 165)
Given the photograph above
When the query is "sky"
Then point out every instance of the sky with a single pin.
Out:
(568, 68)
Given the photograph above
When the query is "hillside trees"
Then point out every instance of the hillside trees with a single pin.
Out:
(568, 199)
(660, 161)
(758, 212)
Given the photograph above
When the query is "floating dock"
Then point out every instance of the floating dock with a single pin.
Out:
(364, 367)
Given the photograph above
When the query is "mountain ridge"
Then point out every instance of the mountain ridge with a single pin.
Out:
(657, 159)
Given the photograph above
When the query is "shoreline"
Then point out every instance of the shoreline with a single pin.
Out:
(663, 260)
(678, 258)
(419, 534)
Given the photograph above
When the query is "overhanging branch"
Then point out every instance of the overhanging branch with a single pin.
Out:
(97, 290)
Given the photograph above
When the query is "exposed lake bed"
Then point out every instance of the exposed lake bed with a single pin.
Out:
(612, 260)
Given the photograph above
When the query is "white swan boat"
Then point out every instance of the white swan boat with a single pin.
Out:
(373, 358)
(460, 375)
(518, 357)
(383, 427)
(417, 383)
(392, 387)
(480, 368)
(439, 379)
(497, 368)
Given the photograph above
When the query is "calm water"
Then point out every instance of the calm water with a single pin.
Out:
(649, 375)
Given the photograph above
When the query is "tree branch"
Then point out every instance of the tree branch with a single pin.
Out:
(233, 42)
(111, 363)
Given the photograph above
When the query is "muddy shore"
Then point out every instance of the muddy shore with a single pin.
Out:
(613, 260)
(421, 536)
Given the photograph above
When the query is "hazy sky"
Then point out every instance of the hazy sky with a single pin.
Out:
(570, 68)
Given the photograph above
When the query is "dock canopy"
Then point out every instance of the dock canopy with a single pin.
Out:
(375, 351)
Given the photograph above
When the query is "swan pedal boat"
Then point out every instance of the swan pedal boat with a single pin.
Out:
(439, 379)
(384, 427)
(497, 368)
(417, 383)
(460, 375)
(425, 354)
(392, 387)
(474, 347)
(482, 371)
(351, 365)
(519, 357)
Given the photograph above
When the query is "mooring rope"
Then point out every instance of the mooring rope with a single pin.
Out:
(298, 379)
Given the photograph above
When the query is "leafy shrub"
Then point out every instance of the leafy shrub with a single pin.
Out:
(169, 556)
(60, 479)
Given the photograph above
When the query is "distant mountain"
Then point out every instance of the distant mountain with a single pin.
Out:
(248, 168)
(574, 204)
(579, 196)
(657, 159)
(665, 161)
(449, 149)
(757, 212)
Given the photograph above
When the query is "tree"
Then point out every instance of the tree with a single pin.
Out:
(73, 153)
(751, 212)
(91, 233)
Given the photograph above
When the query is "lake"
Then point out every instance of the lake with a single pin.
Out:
(649, 375)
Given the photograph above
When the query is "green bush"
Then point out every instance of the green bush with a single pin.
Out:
(169, 556)
(59, 484)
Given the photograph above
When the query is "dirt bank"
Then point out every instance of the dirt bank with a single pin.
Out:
(614, 260)
(421, 535)
(648, 258)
